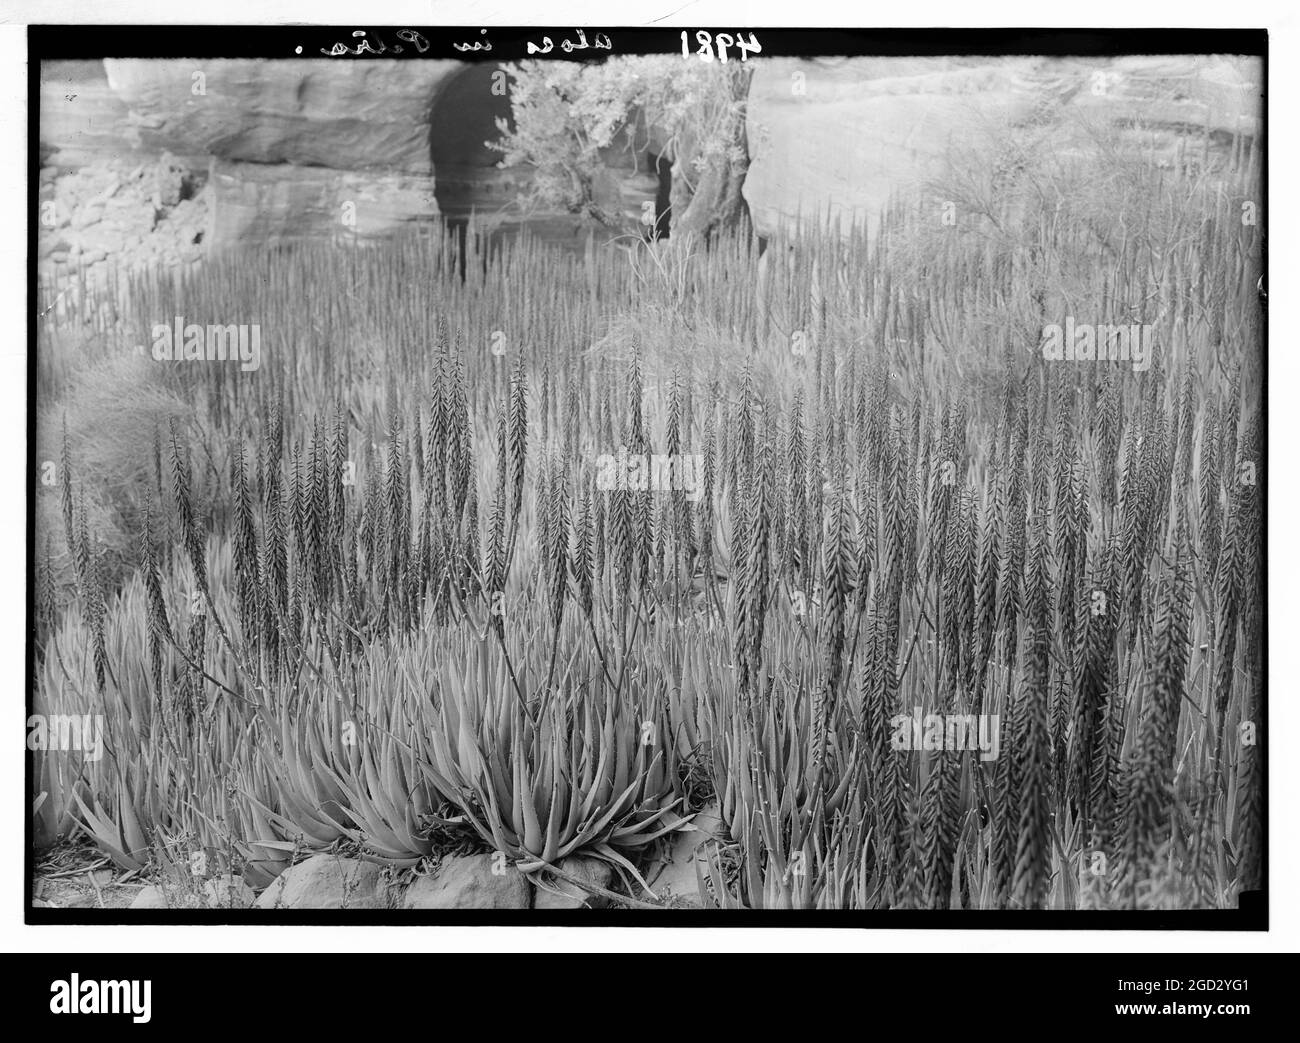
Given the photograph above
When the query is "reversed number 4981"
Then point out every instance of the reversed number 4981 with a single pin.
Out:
(708, 43)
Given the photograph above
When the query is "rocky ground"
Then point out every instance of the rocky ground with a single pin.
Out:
(121, 214)
(76, 876)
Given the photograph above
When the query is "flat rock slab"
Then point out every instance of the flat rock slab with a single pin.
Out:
(327, 882)
(470, 882)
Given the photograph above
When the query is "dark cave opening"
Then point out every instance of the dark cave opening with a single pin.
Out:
(467, 179)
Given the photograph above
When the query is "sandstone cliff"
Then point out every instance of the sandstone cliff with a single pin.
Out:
(845, 134)
(270, 152)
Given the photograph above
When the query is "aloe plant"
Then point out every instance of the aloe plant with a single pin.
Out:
(588, 772)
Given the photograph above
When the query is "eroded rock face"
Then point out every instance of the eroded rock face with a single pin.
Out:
(294, 150)
(257, 203)
(322, 149)
(136, 213)
(82, 120)
(315, 113)
(850, 132)
(315, 149)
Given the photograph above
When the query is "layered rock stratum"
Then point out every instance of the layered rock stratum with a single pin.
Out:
(150, 161)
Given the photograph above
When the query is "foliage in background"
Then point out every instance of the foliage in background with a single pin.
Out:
(567, 117)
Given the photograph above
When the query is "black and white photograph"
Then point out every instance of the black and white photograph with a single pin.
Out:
(576, 479)
(582, 469)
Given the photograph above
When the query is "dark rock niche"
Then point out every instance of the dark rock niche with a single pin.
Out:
(463, 121)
